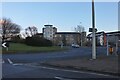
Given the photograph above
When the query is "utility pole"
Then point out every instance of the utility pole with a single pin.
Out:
(93, 33)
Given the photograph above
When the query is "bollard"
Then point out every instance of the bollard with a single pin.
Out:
(111, 50)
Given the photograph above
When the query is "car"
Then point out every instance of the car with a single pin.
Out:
(75, 45)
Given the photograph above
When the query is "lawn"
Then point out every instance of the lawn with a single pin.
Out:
(22, 48)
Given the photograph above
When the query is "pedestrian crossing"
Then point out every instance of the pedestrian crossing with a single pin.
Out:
(2, 61)
(9, 61)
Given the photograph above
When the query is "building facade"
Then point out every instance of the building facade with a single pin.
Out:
(66, 38)
(102, 38)
(49, 31)
(113, 38)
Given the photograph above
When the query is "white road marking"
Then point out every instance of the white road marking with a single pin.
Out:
(60, 69)
(74, 71)
(60, 78)
(17, 64)
(10, 61)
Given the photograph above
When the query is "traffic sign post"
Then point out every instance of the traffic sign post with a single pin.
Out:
(91, 30)
(93, 33)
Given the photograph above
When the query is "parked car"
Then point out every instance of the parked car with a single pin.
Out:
(75, 45)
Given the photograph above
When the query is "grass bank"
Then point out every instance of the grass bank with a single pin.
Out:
(22, 48)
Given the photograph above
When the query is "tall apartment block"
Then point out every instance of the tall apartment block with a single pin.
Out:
(49, 32)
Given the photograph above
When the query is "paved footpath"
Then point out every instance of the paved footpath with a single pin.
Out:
(103, 64)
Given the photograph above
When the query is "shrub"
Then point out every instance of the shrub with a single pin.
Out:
(17, 39)
(37, 41)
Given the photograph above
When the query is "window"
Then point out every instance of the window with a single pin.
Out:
(55, 35)
(50, 35)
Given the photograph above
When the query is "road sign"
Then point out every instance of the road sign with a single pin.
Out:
(91, 29)
(5, 44)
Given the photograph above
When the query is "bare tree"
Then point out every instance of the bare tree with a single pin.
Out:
(8, 28)
(31, 31)
(79, 28)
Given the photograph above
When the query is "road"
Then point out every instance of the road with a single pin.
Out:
(19, 65)
(72, 53)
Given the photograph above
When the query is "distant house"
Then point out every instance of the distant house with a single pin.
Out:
(66, 38)
(102, 37)
(39, 34)
(113, 37)
(49, 31)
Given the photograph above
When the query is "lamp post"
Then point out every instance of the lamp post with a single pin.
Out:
(93, 33)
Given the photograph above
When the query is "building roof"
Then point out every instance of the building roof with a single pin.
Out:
(97, 33)
(54, 28)
(67, 33)
(116, 32)
(108, 33)
(48, 25)
(39, 34)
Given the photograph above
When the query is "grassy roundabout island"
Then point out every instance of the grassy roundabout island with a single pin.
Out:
(22, 48)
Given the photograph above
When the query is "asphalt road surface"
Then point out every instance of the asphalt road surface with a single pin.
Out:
(19, 65)
(38, 57)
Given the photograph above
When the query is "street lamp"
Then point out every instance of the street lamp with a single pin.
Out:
(93, 33)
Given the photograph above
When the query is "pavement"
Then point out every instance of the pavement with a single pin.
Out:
(103, 64)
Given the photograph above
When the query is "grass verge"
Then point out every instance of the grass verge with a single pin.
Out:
(22, 48)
